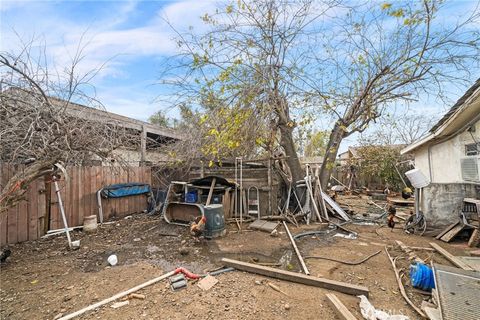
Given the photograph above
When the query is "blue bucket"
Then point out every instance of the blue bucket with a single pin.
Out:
(191, 197)
(421, 276)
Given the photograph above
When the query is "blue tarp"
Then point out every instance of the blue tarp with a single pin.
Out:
(125, 189)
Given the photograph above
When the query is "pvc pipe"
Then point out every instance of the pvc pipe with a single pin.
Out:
(60, 203)
(99, 203)
(118, 296)
(122, 294)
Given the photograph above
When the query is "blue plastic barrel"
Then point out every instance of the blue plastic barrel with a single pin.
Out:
(421, 276)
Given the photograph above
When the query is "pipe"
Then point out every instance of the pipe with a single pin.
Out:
(99, 203)
(217, 272)
(309, 233)
(62, 211)
(122, 294)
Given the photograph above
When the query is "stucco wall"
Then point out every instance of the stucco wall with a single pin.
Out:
(442, 203)
(445, 158)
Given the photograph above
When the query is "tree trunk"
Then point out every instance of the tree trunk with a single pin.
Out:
(336, 137)
(286, 141)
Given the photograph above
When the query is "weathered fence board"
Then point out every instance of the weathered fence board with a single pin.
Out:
(27, 220)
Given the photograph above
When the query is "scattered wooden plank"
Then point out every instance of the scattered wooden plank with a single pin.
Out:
(207, 283)
(451, 257)
(210, 192)
(447, 237)
(12, 218)
(411, 255)
(32, 208)
(299, 255)
(339, 308)
(473, 262)
(474, 239)
(400, 202)
(297, 277)
(450, 227)
(263, 225)
(401, 287)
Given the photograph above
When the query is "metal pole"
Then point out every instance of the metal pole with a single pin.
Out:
(270, 186)
(241, 193)
(60, 203)
(235, 198)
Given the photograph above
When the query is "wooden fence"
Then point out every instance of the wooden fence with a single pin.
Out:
(39, 212)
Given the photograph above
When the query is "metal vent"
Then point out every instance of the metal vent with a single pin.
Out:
(469, 169)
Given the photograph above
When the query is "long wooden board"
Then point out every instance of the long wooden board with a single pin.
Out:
(451, 257)
(298, 277)
(447, 237)
(339, 308)
(450, 227)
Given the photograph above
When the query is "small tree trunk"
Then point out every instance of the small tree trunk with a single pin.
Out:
(288, 144)
(336, 137)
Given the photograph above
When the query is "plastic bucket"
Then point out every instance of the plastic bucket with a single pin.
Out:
(191, 197)
(421, 276)
(90, 223)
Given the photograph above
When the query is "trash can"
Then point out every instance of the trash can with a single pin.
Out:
(215, 224)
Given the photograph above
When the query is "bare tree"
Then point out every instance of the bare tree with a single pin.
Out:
(41, 123)
(386, 53)
(250, 60)
(287, 60)
(403, 128)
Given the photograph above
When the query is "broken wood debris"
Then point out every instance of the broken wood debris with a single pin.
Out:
(339, 308)
(299, 255)
(401, 287)
(207, 283)
(411, 255)
(297, 277)
(276, 288)
(457, 262)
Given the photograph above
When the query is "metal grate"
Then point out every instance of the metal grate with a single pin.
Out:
(458, 292)
(469, 168)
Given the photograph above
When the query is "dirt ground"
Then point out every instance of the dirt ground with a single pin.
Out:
(43, 279)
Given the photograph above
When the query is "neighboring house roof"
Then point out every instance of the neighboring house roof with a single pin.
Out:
(464, 113)
(89, 113)
(78, 110)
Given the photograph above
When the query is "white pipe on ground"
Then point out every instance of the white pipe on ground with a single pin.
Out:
(117, 296)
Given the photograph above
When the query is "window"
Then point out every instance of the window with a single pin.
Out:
(472, 149)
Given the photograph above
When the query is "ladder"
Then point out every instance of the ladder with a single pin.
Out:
(253, 204)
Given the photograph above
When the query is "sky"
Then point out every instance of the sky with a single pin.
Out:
(131, 38)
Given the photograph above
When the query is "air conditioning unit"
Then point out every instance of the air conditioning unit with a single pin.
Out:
(470, 168)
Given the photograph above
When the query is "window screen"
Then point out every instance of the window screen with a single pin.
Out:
(472, 149)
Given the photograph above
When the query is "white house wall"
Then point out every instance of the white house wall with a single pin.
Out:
(445, 157)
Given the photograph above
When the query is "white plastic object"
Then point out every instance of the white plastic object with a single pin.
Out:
(112, 259)
(76, 244)
(417, 178)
